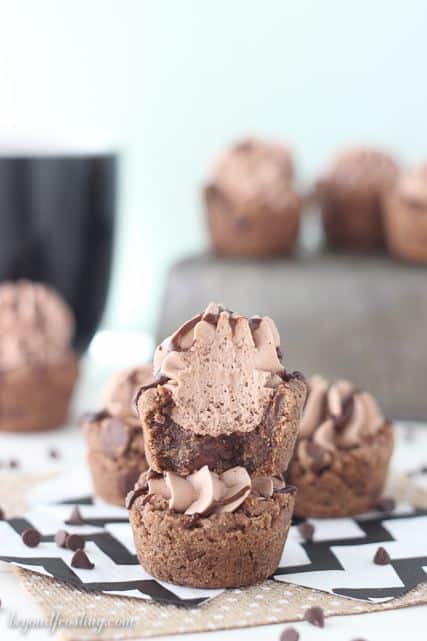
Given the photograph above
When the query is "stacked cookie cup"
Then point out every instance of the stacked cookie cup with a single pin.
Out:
(219, 425)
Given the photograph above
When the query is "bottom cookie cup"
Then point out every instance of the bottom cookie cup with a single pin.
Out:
(34, 399)
(351, 484)
(115, 457)
(226, 550)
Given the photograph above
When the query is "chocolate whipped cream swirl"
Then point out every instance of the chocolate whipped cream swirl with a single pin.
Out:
(221, 369)
(204, 492)
(336, 416)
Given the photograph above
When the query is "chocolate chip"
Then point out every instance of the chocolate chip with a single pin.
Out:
(306, 530)
(193, 521)
(386, 505)
(289, 634)
(31, 537)
(53, 453)
(75, 542)
(2, 516)
(61, 538)
(315, 616)
(81, 560)
(381, 557)
(13, 463)
(75, 517)
(115, 437)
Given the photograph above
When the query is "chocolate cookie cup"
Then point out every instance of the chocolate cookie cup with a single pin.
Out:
(114, 437)
(406, 216)
(219, 425)
(351, 194)
(343, 452)
(223, 397)
(251, 204)
(229, 544)
(38, 368)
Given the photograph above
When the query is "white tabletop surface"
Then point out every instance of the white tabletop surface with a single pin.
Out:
(31, 449)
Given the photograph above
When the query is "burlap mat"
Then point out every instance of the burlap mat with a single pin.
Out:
(262, 604)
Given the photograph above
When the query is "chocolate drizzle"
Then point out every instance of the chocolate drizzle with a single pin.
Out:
(134, 494)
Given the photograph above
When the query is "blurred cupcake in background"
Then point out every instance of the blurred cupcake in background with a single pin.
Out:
(38, 367)
(115, 444)
(252, 207)
(406, 216)
(350, 195)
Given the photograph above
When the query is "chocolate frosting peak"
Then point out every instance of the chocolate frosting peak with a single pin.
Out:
(336, 415)
(121, 390)
(204, 492)
(36, 325)
(222, 370)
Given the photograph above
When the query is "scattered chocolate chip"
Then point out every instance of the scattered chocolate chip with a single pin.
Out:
(61, 538)
(289, 634)
(75, 542)
(315, 616)
(53, 453)
(386, 505)
(75, 517)
(306, 530)
(31, 537)
(81, 560)
(13, 463)
(2, 516)
(381, 557)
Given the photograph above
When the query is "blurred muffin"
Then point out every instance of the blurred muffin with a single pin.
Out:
(406, 216)
(114, 437)
(343, 451)
(350, 196)
(252, 207)
(38, 368)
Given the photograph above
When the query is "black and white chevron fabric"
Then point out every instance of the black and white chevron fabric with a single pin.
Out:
(339, 560)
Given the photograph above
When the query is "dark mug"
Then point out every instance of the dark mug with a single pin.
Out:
(56, 226)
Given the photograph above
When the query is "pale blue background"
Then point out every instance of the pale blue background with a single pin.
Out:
(169, 82)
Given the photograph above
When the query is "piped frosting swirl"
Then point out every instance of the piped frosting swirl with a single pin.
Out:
(336, 416)
(221, 369)
(204, 492)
